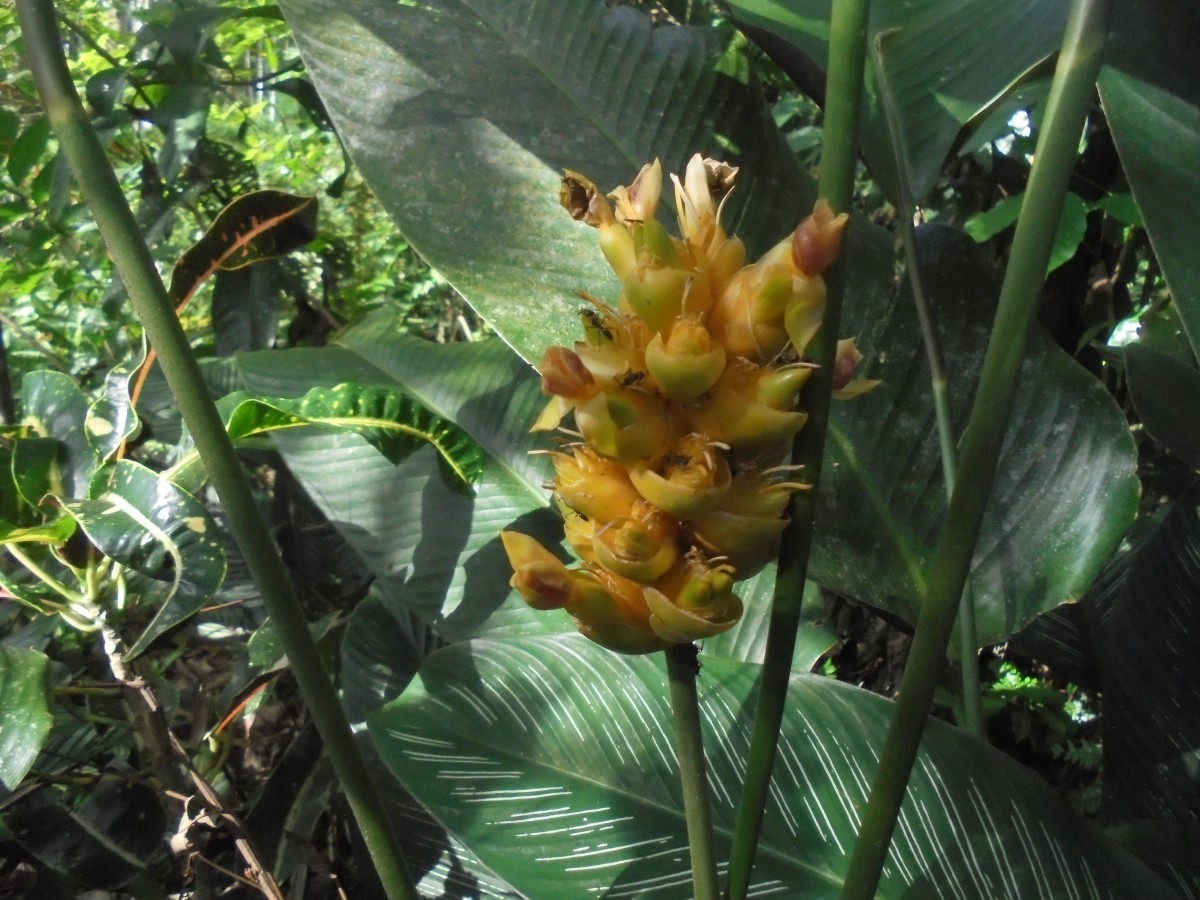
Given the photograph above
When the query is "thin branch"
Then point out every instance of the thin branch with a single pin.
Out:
(157, 729)
(34, 342)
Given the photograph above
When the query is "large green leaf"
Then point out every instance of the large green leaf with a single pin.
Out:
(145, 522)
(36, 470)
(389, 420)
(1152, 99)
(483, 387)
(435, 550)
(461, 115)
(1148, 640)
(552, 760)
(381, 650)
(25, 712)
(946, 61)
(1066, 489)
(56, 408)
(111, 418)
(1166, 393)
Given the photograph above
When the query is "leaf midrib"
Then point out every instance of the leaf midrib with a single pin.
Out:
(413, 390)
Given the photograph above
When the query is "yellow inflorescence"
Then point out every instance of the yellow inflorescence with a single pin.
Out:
(685, 398)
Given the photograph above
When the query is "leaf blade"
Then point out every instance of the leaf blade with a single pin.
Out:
(457, 163)
(525, 752)
(26, 712)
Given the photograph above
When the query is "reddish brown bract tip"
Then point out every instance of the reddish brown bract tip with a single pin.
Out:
(817, 239)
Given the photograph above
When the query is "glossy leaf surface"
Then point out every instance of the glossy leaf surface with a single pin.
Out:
(1166, 393)
(389, 420)
(145, 522)
(434, 549)
(1151, 98)
(25, 712)
(426, 99)
(56, 408)
(1066, 489)
(946, 62)
(111, 418)
(527, 753)
(256, 226)
(1148, 635)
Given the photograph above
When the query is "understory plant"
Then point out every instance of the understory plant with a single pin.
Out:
(645, 457)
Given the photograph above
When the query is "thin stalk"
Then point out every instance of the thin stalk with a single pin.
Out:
(682, 667)
(938, 378)
(31, 565)
(847, 55)
(149, 297)
(1066, 111)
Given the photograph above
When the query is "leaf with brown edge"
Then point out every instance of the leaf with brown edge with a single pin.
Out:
(254, 227)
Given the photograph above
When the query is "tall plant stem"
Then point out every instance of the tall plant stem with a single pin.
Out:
(847, 56)
(682, 667)
(938, 378)
(136, 267)
(1066, 111)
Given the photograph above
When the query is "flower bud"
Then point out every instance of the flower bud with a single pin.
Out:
(747, 542)
(746, 526)
(612, 611)
(639, 201)
(747, 318)
(578, 529)
(629, 425)
(845, 385)
(687, 363)
(565, 375)
(693, 602)
(538, 575)
(724, 258)
(694, 207)
(567, 379)
(805, 310)
(728, 419)
(619, 248)
(640, 547)
(593, 486)
(778, 388)
(688, 481)
(816, 240)
(734, 411)
(583, 200)
(659, 295)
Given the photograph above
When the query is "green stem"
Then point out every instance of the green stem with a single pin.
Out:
(682, 667)
(136, 267)
(939, 381)
(1066, 111)
(847, 54)
(31, 565)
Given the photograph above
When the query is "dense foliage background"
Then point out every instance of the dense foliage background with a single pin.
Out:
(401, 121)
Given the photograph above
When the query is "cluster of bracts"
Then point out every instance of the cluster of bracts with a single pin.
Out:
(686, 398)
